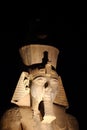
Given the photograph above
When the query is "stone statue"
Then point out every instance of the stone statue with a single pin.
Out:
(39, 96)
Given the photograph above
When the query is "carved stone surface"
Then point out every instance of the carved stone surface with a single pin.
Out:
(23, 118)
(40, 98)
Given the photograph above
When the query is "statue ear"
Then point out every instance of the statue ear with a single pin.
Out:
(21, 96)
(61, 98)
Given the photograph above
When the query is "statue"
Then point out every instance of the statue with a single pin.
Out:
(40, 99)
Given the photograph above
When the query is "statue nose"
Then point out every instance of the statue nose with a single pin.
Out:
(46, 84)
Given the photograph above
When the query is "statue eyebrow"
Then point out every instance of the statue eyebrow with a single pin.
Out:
(38, 76)
(45, 76)
(54, 78)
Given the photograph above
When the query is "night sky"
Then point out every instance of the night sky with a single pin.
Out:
(62, 32)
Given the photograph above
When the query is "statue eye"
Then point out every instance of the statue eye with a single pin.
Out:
(40, 80)
(54, 81)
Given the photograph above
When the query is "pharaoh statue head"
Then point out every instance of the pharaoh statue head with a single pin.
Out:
(41, 82)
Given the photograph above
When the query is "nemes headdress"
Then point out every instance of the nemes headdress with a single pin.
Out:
(37, 54)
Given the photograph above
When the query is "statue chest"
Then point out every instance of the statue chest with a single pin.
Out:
(31, 122)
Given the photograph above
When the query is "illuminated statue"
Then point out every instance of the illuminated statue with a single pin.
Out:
(39, 95)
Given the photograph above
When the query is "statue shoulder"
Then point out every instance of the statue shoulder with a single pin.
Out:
(11, 119)
(12, 114)
(72, 122)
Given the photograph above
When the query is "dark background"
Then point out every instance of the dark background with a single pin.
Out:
(63, 31)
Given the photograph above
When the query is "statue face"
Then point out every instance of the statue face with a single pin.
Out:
(44, 87)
